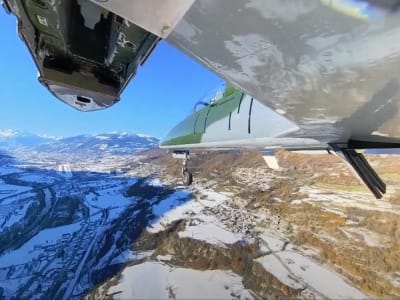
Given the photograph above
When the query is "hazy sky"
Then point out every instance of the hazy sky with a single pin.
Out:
(162, 93)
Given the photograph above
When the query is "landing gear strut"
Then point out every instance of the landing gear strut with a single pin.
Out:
(187, 177)
(361, 168)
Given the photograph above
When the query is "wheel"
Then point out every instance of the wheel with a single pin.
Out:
(187, 177)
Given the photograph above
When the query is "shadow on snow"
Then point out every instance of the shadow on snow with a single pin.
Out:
(110, 212)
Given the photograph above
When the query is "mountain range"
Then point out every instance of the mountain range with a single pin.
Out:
(110, 143)
(10, 139)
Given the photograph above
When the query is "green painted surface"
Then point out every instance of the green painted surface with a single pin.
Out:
(190, 130)
(229, 91)
(134, 38)
(198, 125)
(60, 31)
(182, 130)
(223, 107)
(51, 34)
(183, 140)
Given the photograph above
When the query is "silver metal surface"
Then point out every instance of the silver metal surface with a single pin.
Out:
(330, 69)
(157, 16)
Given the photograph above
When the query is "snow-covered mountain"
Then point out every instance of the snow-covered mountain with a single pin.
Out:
(107, 143)
(10, 139)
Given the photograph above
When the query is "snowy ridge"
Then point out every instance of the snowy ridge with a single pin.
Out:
(81, 146)
(182, 283)
(8, 132)
(100, 144)
(11, 139)
(286, 263)
(301, 272)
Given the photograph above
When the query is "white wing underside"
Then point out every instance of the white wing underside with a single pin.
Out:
(332, 72)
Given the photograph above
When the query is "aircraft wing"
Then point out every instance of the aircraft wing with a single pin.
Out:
(331, 67)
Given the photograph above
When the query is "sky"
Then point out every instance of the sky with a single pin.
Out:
(161, 94)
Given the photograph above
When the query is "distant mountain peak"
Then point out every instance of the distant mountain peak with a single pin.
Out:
(9, 132)
(12, 139)
(48, 136)
(124, 133)
(102, 144)
(116, 143)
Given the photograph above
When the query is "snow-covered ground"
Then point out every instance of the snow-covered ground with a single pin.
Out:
(129, 255)
(292, 266)
(156, 280)
(14, 216)
(211, 233)
(370, 238)
(7, 190)
(202, 226)
(17, 198)
(9, 170)
(177, 206)
(14, 202)
(299, 271)
(107, 198)
(35, 178)
(217, 218)
(65, 170)
(271, 241)
(346, 199)
(12, 285)
(32, 250)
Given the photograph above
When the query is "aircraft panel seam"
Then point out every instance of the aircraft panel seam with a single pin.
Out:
(249, 119)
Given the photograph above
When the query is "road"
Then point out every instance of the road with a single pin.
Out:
(71, 286)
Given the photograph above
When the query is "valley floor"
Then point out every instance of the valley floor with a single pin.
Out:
(106, 227)
(318, 232)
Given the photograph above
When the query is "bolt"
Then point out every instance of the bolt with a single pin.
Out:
(165, 29)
